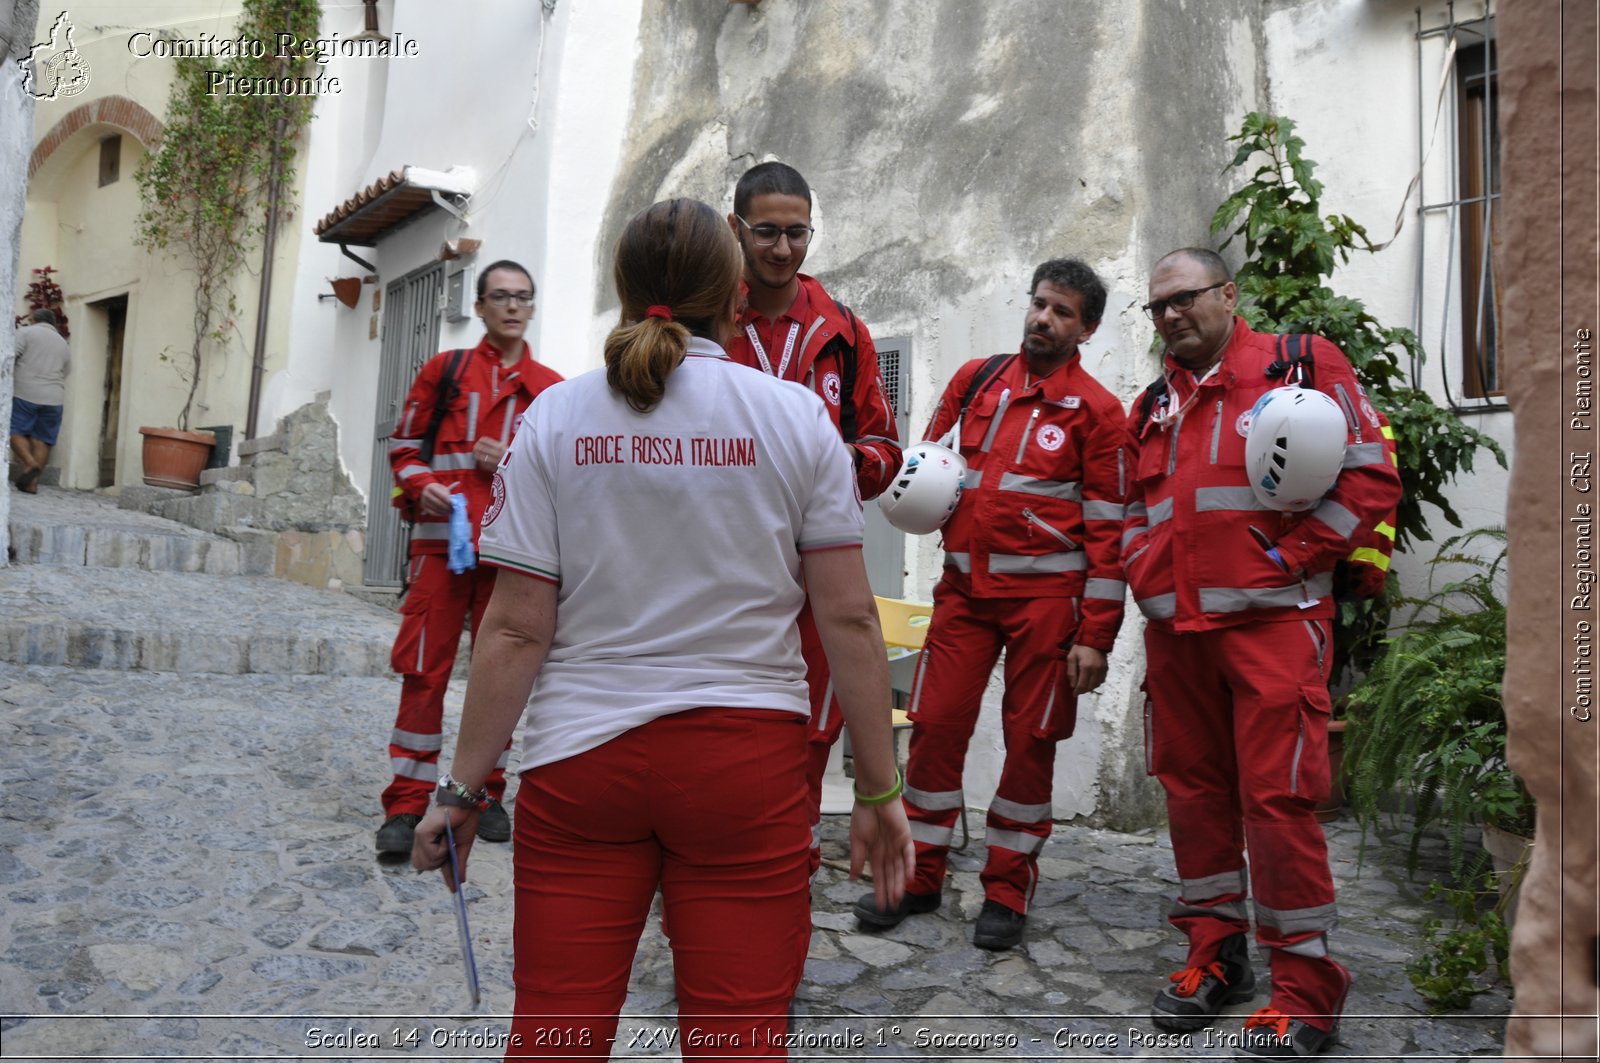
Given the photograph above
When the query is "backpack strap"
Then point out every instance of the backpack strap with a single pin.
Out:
(443, 396)
(849, 366)
(1152, 394)
(981, 379)
(1294, 362)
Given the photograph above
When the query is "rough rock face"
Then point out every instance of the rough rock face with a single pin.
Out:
(1548, 249)
(304, 486)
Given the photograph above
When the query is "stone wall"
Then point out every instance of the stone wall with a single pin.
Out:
(1548, 254)
(17, 21)
(952, 147)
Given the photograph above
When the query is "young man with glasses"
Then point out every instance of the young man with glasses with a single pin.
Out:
(1239, 600)
(458, 420)
(1031, 569)
(791, 328)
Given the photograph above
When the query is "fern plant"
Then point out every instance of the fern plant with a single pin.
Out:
(1427, 722)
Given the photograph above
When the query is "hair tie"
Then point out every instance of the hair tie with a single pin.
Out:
(663, 312)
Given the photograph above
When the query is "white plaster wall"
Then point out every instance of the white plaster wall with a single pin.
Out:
(575, 157)
(1364, 137)
(543, 160)
(89, 233)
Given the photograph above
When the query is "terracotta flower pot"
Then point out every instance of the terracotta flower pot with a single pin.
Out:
(1506, 850)
(173, 458)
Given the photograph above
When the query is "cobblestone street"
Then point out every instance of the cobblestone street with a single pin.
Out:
(191, 761)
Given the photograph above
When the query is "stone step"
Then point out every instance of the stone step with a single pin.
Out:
(78, 528)
(134, 620)
(212, 510)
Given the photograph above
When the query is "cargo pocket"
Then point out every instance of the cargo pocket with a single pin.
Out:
(410, 643)
(1059, 716)
(1309, 777)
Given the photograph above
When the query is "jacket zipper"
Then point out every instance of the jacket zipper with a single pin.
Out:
(1216, 432)
(1068, 543)
(1172, 450)
(1026, 433)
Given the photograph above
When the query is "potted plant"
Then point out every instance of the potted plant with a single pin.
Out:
(221, 157)
(1291, 250)
(174, 457)
(1427, 733)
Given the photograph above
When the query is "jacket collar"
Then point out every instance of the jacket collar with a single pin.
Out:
(1227, 370)
(1060, 383)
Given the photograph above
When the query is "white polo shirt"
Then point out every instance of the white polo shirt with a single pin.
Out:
(675, 538)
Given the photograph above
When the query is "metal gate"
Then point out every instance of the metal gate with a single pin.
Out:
(411, 308)
(885, 547)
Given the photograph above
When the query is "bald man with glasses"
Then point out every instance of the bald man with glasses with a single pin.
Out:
(791, 328)
(1239, 602)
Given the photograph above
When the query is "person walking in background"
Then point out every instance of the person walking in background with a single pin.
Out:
(1239, 599)
(792, 329)
(460, 415)
(658, 525)
(1031, 568)
(39, 396)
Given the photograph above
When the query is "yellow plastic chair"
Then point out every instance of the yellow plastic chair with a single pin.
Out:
(905, 629)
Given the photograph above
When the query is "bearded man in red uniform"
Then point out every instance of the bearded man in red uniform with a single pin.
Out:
(1239, 599)
(1031, 568)
(791, 328)
(472, 401)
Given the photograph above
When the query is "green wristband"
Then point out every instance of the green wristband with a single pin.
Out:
(884, 798)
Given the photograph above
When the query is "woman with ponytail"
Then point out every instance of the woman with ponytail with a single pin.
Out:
(658, 525)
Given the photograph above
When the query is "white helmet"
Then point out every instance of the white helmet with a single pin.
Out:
(1295, 448)
(926, 489)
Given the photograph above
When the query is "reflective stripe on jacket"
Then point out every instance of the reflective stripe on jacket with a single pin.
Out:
(1042, 508)
(1195, 541)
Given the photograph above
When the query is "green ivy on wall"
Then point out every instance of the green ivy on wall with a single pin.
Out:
(220, 158)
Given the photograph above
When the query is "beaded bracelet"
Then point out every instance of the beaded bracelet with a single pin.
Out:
(884, 798)
(456, 795)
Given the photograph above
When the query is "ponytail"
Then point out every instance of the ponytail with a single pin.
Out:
(676, 269)
(640, 357)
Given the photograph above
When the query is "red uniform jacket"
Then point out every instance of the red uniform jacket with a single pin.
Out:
(830, 336)
(1042, 507)
(1195, 544)
(490, 402)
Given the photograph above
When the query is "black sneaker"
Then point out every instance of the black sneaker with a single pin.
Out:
(1197, 994)
(999, 927)
(493, 823)
(1270, 1034)
(396, 834)
(868, 912)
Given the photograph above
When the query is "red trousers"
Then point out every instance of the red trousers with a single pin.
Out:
(710, 806)
(1236, 726)
(437, 606)
(965, 638)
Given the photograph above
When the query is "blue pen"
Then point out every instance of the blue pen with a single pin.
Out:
(461, 916)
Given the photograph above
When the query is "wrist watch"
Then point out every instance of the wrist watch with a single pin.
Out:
(456, 795)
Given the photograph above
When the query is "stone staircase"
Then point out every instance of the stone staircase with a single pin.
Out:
(288, 504)
(98, 586)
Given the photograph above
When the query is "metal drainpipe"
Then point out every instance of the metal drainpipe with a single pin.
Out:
(258, 361)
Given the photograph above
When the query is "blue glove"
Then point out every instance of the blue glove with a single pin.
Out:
(462, 556)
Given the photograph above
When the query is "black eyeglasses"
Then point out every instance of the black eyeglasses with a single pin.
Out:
(500, 298)
(767, 235)
(1179, 301)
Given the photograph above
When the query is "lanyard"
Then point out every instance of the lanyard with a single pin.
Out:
(761, 352)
